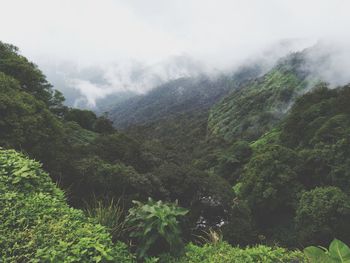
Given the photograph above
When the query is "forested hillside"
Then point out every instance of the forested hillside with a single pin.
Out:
(201, 166)
(256, 107)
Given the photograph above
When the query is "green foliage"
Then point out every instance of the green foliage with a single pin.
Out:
(224, 253)
(26, 123)
(308, 114)
(30, 78)
(84, 118)
(102, 179)
(338, 252)
(120, 147)
(76, 135)
(103, 125)
(155, 227)
(239, 228)
(323, 213)
(231, 161)
(38, 226)
(270, 182)
(271, 137)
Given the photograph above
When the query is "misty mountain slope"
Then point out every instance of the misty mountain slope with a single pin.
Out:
(174, 97)
(179, 96)
(254, 108)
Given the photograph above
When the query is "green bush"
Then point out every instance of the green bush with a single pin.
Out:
(155, 227)
(224, 253)
(36, 224)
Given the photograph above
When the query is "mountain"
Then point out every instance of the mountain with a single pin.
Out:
(179, 96)
(254, 108)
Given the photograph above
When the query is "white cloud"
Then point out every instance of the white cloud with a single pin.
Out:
(217, 33)
(91, 31)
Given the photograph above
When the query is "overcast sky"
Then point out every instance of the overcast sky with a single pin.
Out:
(215, 32)
(149, 30)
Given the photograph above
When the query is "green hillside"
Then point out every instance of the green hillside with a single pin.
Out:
(256, 107)
(296, 180)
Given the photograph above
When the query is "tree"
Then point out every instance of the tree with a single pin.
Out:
(323, 214)
(270, 184)
(239, 228)
(84, 118)
(95, 177)
(103, 125)
(30, 78)
(27, 124)
(231, 162)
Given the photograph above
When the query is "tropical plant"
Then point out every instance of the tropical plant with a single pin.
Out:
(155, 227)
(338, 252)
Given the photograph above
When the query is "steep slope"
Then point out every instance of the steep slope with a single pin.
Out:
(254, 108)
(178, 96)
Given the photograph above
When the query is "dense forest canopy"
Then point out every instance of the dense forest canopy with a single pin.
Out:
(259, 158)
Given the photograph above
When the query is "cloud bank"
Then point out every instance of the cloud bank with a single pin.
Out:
(135, 44)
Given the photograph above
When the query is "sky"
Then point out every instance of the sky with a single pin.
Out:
(149, 36)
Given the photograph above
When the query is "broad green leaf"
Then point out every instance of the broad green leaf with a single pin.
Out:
(316, 255)
(339, 251)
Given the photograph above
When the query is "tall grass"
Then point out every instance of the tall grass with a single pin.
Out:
(109, 214)
(211, 236)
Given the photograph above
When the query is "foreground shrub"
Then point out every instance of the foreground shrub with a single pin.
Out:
(155, 227)
(224, 253)
(36, 224)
